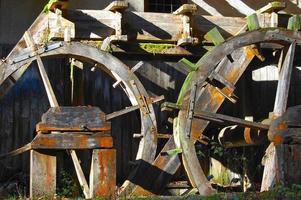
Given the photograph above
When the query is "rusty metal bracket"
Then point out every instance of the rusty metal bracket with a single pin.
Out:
(190, 110)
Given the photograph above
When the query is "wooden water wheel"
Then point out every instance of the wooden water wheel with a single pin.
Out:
(203, 100)
(23, 55)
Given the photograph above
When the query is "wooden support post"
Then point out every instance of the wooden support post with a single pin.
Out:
(103, 173)
(42, 175)
(117, 7)
(186, 11)
(274, 19)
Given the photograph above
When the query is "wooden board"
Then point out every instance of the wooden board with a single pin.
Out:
(72, 141)
(145, 26)
(73, 119)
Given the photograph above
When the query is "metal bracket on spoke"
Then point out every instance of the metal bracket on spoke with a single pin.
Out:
(190, 111)
(39, 51)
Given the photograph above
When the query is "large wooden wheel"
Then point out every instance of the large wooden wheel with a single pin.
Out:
(21, 56)
(202, 98)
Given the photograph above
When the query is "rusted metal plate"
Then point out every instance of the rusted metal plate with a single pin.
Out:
(72, 140)
(103, 173)
(42, 175)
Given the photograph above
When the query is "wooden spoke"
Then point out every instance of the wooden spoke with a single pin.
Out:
(220, 118)
(50, 94)
(132, 108)
(80, 174)
(270, 168)
(284, 82)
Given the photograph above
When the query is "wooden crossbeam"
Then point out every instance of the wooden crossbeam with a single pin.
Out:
(185, 9)
(117, 6)
(275, 6)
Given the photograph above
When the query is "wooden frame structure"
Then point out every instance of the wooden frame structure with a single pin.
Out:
(79, 34)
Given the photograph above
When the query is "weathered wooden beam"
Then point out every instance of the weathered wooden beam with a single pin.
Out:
(160, 172)
(45, 128)
(72, 141)
(145, 26)
(103, 174)
(117, 6)
(42, 175)
(186, 9)
(274, 6)
(220, 118)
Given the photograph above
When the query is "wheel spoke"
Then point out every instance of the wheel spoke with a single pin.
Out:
(50, 94)
(220, 118)
(271, 162)
(284, 82)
